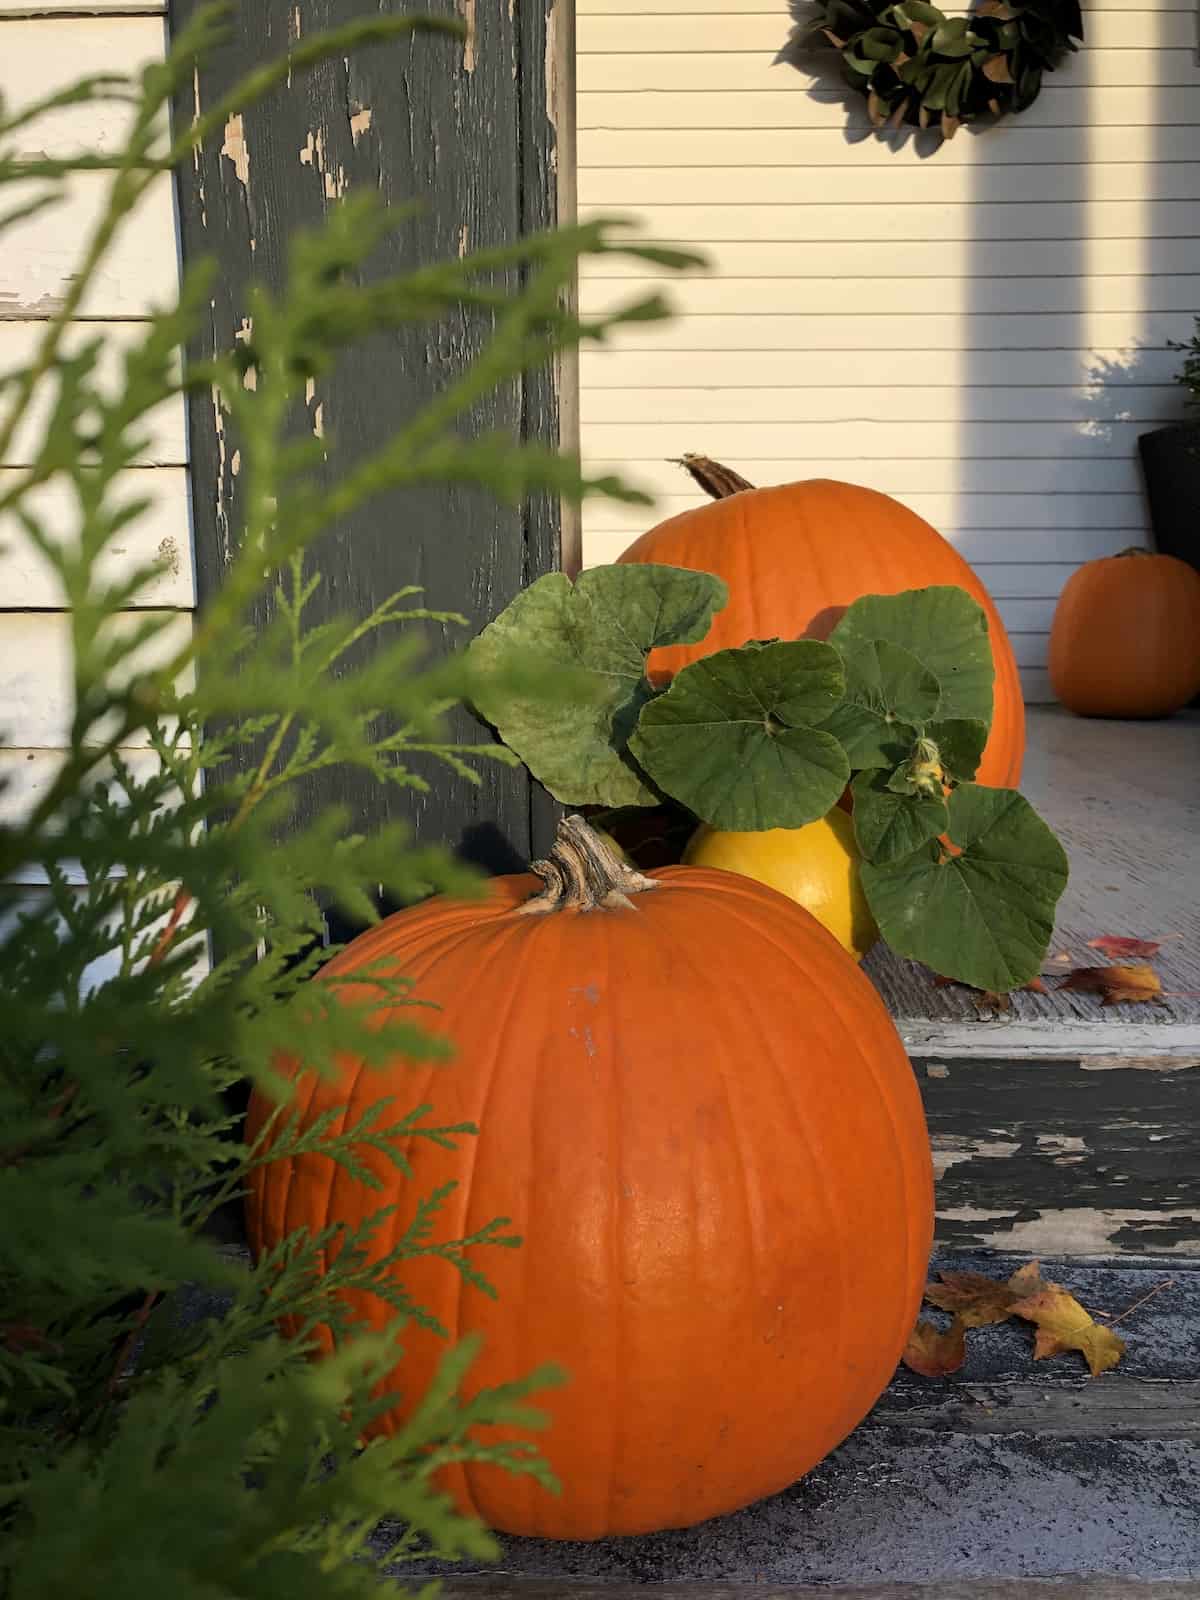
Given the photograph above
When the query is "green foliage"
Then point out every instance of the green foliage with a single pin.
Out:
(915, 64)
(1189, 373)
(769, 735)
(142, 1451)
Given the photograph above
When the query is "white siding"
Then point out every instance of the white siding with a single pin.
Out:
(40, 52)
(981, 331)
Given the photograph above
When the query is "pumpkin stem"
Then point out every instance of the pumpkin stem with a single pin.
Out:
(584, 873)
(717, 481)
(1134, 550)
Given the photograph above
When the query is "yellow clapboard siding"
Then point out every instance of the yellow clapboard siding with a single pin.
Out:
(794, 105)
(1013, 142)
(914, 259)
(853, 440)
(953, 222)
(647, 372)
(161, 535)
(630, 188)
(719, 73)
(732, 33)
(894, 332)
(39, 56)
(870, 400)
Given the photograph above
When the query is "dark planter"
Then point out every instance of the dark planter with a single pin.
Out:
(1171, 468)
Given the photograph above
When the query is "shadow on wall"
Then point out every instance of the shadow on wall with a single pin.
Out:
(1070, 275)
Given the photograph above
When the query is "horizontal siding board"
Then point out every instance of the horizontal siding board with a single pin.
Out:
(740, 8)
(36, 695)
(872, 401)
(752, 333)
(770, 369)
(26, 775)
(893, 474)
(1012, 258)
(793, 105)
(720, 73)
(164, 429)
(1068, 181)
(1131, 220)
(956, 296)
(41, 255)
(1010, 143)
(39, 56)
(1052, 547)
(161, 534)
(11, 9)
(850, 440)
(1132, 29)
(957, 512)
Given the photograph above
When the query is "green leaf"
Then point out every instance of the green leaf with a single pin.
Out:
(983, 917)
(889, 825)
(944, 628)
(889, 694)
(599, 629)
(960, 743)
(734, 739)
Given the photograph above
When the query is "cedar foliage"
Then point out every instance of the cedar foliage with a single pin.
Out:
(142, 1452)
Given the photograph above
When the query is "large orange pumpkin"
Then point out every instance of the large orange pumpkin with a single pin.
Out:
(796, 556)
(700, 1117)
(1125, 641)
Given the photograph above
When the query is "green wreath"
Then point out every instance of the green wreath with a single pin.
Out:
(916, 65)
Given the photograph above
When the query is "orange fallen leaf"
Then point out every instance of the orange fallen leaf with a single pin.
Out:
(1063, 1324)
(936, 1352)
(1118, 985)
(977, 1300)
(1115, 944)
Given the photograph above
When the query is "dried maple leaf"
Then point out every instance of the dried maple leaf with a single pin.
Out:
(978, 1300)
(1063, 1324)
(936, 1352)
(1118, 985)
(1115, 944)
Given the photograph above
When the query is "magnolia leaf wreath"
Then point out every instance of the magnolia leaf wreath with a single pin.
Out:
(916, 65)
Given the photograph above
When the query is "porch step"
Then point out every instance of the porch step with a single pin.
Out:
(1011, 1478)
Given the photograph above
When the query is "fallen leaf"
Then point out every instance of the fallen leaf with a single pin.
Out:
(1036, 986)
(1063, 1324)
(1115, 944)
(936, 1352)
(978, 1300)
(1118, 985)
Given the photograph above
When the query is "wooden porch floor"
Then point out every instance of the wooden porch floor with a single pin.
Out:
(1124, 797)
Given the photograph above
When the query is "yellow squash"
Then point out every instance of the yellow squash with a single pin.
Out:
(817, 866)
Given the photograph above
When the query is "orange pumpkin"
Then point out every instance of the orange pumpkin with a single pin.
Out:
(1125, 641)
(796, 556)
(701, 1119)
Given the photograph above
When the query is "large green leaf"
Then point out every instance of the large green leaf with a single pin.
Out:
(944, 628)
(890, 825)
(960, 743)
(985, 916)
(734, 739)
(600, 629)
(889, 694)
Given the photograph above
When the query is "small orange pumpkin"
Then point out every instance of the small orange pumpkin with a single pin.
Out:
(1125, 641)
(797, 555)
(701, 1119)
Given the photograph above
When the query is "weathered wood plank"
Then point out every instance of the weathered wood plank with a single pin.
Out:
(509, 1588)
(466, 131)
(1119, 1408)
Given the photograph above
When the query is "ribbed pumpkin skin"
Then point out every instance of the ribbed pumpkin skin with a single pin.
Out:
(796, 555)
(1125, 641)
(817, 866)
(700, 1118)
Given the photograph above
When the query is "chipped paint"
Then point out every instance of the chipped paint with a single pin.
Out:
(936, 1069)
(310, 390)
(464, 234)
(360, 123)
(235, 149)
(310, 150)
(235, 464)
(1084, 1231)
(950, 1151)
(1060, 1142)
(466, 10)
(221, 510)
(318, 422)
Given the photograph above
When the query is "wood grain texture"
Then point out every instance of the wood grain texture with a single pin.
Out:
(468, 134)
